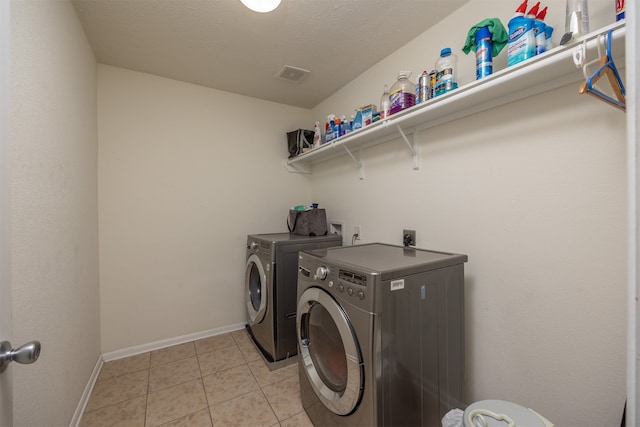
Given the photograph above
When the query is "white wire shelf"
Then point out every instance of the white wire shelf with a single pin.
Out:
(548, 71)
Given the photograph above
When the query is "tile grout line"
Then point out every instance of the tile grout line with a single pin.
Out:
(146, 397)
(203, 386)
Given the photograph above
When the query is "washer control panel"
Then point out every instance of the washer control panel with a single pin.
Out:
(260, 247)
(351, 277)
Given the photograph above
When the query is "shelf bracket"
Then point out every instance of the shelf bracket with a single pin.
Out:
(413, 147)
(357, 161)
(297, 167)
(579, 54)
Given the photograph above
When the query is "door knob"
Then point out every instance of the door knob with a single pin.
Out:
(27, 353)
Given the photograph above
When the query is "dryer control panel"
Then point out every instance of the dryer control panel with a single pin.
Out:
(342, 283)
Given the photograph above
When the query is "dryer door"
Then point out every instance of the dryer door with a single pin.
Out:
(255, 281)
(329, 351)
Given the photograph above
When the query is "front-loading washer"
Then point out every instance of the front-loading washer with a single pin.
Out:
(380, 331)
(270, 290)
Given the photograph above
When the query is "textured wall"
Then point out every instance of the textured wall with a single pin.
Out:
(185, 174)
(54, 221)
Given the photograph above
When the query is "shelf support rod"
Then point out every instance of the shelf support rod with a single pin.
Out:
(357, 161)
(413, 147)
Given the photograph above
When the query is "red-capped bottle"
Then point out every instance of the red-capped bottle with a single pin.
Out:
(521, 44)
(540, 30)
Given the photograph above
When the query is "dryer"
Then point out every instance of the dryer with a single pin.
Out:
(270, 290)
(380, 331)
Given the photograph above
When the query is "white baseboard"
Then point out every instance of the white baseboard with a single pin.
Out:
(77, 416)
(157, 345)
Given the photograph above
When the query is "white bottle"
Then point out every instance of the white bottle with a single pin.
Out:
(317, 135)
(446, 67)
(402, 94)
(385, 103)
(577, 18)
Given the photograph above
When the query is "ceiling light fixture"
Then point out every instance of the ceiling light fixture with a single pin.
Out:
(261, 6)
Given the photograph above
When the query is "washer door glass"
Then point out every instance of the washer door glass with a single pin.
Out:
(256, 288)
(329, 351)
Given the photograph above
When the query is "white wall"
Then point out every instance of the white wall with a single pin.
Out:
(54, 221)
(534, 192)
(185, 173)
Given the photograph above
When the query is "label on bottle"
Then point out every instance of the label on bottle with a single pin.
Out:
(620, 7)
(444, 81)
(332, 130)
(541, 38)
(521, 44)
(433, 76)
(357, 121)
(484, 60)
(400, 100)
(384, 110)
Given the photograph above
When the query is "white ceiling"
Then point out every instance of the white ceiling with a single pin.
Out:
(223, 45)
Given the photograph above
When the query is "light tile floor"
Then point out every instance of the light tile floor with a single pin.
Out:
(216, 381)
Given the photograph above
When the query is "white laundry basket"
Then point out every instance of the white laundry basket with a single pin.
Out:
(500, 413)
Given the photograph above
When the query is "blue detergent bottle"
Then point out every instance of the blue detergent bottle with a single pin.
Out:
(357, 122)
(484, 56)
(539, 29)
(522, 41)
(548, 31)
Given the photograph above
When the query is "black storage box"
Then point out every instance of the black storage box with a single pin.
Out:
(298, 141)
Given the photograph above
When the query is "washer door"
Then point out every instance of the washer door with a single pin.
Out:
(329, 351)
(256, 287)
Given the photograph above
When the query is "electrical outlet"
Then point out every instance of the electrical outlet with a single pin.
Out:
(409, 237)
(357, 230)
